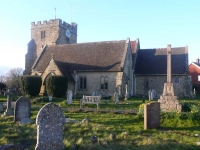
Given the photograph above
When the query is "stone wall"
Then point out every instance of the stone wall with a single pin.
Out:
(144, 83)
(93, 83)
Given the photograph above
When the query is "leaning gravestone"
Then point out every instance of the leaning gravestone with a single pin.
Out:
(69, 97)
(151, 115)
(22, 109)
(50, 120)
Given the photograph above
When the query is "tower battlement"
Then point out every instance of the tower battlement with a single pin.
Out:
(52, 22)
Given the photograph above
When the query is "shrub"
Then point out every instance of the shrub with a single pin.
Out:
(141, 111)
(2, 86)
(186, 107)
(30, 85)
(56, 86)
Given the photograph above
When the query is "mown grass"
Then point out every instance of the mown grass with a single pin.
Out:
(177, 130)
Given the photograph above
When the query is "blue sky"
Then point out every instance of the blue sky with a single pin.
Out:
(156, 23)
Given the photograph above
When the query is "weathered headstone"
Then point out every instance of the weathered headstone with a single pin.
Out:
(169, 102)
(150, 94)
(116, 98)
(69, 97)
(9, 110)
(151, 115)
(22, 109)
(50, 97)
(1, 107)
(126, 92)
(93, 93)
(50, 120)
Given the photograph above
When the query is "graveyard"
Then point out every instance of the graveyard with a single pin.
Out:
(111, 126)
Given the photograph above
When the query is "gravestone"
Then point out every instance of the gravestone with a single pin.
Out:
(1, 107)
(150, 94)
(116, 99)
(93, 93)
(151, 115)
(50, 120)
(9, 110)
(50, 97)
(126, 92)
(69, 97)
(22, 109)
(168, 101)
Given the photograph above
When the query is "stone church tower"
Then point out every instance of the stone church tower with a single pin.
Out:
(53, 32)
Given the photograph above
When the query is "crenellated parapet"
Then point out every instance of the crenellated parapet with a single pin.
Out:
(54, 22)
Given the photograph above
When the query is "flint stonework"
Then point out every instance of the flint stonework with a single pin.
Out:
(22, 109)
(50, 120)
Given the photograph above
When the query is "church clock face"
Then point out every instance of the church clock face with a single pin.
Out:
(68, 34)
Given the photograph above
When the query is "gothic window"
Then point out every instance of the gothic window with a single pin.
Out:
(42, 34)
(104, 83)
(198, 77)
(83, 83)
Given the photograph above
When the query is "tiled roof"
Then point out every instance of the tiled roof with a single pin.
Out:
(198, 64)
(154, 61)
(97, 56)
(64, 68)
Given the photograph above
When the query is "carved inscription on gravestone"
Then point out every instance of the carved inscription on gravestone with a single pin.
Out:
(22, 109)
(50, 120)
(151, 115)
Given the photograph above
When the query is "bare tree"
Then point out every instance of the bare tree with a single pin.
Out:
(2, 78)
(13, 78)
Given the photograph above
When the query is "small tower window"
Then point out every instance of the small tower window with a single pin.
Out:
(42, 34)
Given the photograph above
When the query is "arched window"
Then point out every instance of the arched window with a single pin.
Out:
(106, 82)
(102, 83)
(83, 83)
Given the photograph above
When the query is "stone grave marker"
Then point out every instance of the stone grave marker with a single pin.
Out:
(168, 101)
(50, 120)
(126, 92)
(9, 111)
(1, 107)
(69, 97)
(116, 98)
(151, 115)
(22, 109)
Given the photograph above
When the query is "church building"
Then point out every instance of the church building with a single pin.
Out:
(100, 67)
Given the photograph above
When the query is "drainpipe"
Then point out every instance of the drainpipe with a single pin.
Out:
(134, 85)
(75, 87)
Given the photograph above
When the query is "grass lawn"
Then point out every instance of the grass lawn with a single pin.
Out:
(177, 130)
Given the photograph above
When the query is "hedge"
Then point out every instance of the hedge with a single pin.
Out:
(56, 86)
(30, 85)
